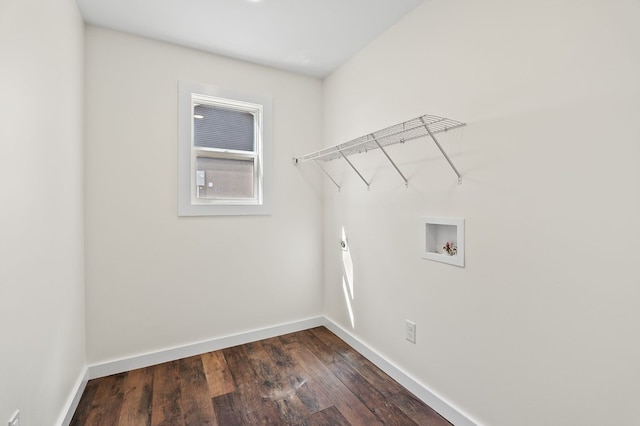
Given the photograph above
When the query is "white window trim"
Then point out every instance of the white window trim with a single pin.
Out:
(186, 169)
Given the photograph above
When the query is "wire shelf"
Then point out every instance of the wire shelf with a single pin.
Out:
(399, 133)
(423, 126)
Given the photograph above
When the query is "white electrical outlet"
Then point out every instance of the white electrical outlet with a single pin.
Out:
(15, 419)
(410, 331)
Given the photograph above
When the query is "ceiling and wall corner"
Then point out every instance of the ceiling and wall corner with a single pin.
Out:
(308, 37)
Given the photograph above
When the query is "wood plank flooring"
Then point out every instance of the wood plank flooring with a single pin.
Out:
(306, 378)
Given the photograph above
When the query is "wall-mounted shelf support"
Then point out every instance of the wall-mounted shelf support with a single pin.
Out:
(326, 173)
(353, 167)
(442, 150)
(423, 126)
(406, 182)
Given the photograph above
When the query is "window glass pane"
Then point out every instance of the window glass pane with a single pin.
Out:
(224, 178)
(215, 127)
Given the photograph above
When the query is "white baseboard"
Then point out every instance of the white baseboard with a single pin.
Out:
(172, 354)
(74, 398)
(445, 409)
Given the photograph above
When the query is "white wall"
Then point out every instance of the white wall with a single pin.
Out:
(42, 342)
(155, 280)
(541, 325)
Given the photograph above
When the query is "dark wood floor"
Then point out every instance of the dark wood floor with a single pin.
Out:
(306, 378)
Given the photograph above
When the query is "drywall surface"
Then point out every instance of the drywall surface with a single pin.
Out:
(156, 280)
(541, 325)
(42, 334)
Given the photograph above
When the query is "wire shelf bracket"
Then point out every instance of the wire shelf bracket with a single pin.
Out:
(406, 182)
(423, 126)
(426, 126)
(327, 173)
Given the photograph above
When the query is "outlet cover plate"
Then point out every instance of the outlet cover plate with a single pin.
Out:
(410, 331)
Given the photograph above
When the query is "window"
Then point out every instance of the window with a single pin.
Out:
(224, 152)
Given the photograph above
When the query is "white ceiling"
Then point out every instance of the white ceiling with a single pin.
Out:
(311, 37)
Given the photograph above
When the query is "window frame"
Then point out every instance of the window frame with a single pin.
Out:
(255, 156)
(188, 152)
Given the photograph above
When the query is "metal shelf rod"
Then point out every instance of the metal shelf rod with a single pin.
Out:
(406, 182)
(327, 173)
(353, 167)
(442, 151)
